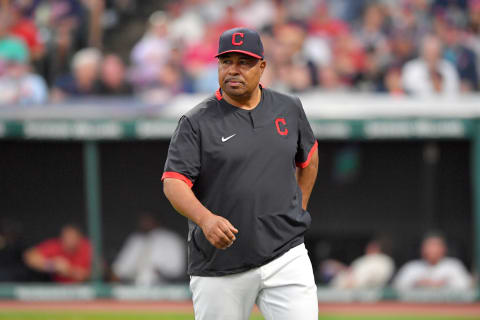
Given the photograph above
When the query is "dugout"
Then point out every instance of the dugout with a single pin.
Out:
(387, 166)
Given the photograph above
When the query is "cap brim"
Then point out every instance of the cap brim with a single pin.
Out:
(240, 51)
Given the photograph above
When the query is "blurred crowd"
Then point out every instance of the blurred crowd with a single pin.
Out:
(53, 50)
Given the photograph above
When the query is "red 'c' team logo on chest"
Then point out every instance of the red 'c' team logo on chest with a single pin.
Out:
(281, 125)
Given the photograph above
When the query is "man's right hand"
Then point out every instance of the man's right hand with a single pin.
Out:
(218, 231)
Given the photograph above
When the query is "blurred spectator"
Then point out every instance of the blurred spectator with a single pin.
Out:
(392, 82)
(84, 79)
(430, 74)
(415, 17)
(96, 10)
(228, 20)
(255, 13)
(152, 52)
(150, 256)
(334, 44)
(299, 10)
(347, 10)
(372, 76)
(402, 47)
(372, 270)
(458, 54)
(322, 24)
(435, 269)
(321, 29)
(454, 10)
(18, 85)
(349, 58)
(11, 47)
(330, 80)
(474, 16)
(67, 258)
(295, 71)
(113, 80)
(458, 4)
(318, 50)
(200, 63)
(21, 87)
(186, 26)
(64, 29)
(209, 10)
(473, 35)
(372, 36)
(12, 268)
(54, 12)
(371, 32)
(25, 28)
(171, 81)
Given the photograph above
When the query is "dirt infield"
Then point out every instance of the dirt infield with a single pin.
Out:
(380, 308)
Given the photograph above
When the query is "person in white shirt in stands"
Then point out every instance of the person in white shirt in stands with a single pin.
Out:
(372, 270)
(429, 74)
(151, 53)
(151, 256)
(435, 269)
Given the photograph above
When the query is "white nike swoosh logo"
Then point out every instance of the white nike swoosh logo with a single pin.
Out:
(228, 138)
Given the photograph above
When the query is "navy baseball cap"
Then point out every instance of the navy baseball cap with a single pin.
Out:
(242, 40)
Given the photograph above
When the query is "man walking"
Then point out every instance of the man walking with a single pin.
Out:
(241, 166)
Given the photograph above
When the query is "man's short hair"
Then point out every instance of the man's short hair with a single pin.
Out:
(72, 225)
(434, 234)
(86, 56)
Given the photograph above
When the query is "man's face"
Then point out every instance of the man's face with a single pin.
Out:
(113, 71)
(87, 73)
(70, 238)
(239, 74)
(433, 250)
(432, 50)
(16, 70)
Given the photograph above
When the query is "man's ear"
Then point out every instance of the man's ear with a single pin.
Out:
(263, 65)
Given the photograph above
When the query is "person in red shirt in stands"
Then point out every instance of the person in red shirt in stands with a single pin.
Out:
(25, 28)
(67, 258)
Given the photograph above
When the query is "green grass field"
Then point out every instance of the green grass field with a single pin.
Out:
(90, 315)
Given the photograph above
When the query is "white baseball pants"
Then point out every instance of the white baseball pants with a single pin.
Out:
(283, 289)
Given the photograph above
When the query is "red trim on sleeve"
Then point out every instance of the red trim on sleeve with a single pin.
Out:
(176, 175)
(310, 154)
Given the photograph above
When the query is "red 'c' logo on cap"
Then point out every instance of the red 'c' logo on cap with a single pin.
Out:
(234, 39)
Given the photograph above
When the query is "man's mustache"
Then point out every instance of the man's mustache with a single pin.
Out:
(233, 79)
